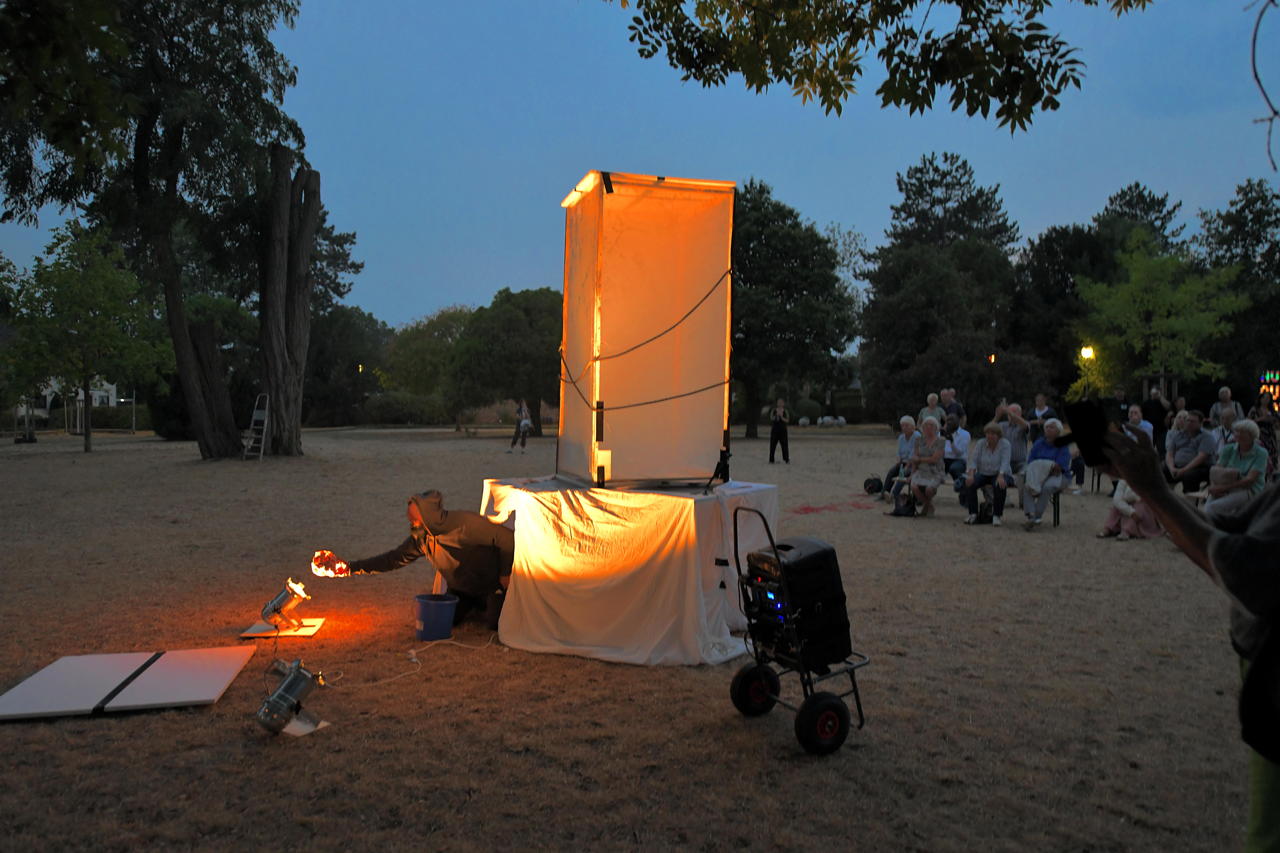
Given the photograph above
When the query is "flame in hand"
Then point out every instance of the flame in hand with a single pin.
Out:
(326, 564)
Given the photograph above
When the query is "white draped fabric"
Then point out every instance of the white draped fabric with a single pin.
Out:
(642, 577)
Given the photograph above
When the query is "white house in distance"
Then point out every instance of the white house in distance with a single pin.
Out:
(104, 394)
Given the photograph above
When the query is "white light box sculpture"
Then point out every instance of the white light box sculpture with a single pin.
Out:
(644, 394)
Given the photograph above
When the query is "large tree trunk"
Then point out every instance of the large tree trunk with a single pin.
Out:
(285, 316)
(206, 394)
(204, 386)
(88, 409)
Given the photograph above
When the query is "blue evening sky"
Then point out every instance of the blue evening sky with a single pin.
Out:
(447, 132)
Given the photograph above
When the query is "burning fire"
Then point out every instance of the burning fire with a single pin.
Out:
(297, 588)
(326, 564)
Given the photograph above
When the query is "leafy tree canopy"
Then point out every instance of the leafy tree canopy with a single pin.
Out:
(1159, 312)
(1137, 206)
(942, 203)
(418, 358)
(792, 312)
(992, 53)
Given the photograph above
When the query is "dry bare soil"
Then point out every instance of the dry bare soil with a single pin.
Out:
(1027, 691)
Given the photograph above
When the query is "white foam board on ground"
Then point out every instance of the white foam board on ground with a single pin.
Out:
(74, 684)
(184, 677)
(265, 629)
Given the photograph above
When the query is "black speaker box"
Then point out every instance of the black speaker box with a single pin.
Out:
(812, 600)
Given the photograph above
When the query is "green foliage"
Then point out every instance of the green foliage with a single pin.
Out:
(806, 408)
(1247, 236)
(82, 314)
(61, 117)
(1046, 305)
(942, 203)
(346, 357)
(509, 350)
(792, 312)
(1136, 206)
(419, 357)
(1159, 314)
(943, 298)
(988, 54)
(401, 408)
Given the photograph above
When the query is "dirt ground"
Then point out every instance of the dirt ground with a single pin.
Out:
(1027, 691)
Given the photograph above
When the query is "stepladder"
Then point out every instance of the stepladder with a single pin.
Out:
(256, 440)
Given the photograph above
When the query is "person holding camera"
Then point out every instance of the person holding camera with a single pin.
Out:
(1240, 552)
(779, 417)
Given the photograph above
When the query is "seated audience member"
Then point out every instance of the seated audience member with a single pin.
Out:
(1224, 433)
(1130, 517)
(1240, 472)
(1041, 413)
(1264, 414)
(902, 466)
(1046, 472)
(1190, 451)
(951, 406)
(988, 464)
(1156, 410)
(1014, 428)
(1137, 421)
(1224, 403)
(956, 454)
(926, 465)
(931, 410)
(1077, 470)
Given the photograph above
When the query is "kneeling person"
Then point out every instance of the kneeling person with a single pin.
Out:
(471, 552)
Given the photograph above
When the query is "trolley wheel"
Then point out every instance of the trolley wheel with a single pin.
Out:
(822, 723)
(754, 690)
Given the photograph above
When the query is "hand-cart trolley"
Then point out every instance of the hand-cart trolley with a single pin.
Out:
(793, 598)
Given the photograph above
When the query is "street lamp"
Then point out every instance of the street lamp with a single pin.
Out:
(1086, 355)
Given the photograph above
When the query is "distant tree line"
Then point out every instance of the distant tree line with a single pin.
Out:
(954, 300)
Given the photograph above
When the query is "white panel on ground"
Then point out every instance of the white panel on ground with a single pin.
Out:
(70, 685)
(263, 629)
(185, 677)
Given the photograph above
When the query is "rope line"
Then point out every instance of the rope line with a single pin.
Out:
(648, 341)
(582, 397)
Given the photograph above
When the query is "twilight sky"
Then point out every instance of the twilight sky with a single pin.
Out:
(447, 132)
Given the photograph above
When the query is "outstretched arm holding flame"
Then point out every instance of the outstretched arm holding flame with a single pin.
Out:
(326, 564)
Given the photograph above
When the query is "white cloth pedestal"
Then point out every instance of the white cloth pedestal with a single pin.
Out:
(632, 576)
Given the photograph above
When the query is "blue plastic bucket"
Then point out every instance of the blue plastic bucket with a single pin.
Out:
(434, 616)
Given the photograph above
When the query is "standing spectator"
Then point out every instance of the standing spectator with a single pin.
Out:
(988, 464)
(1156, 410)
(1237, 552)
(1224, 402)
(957, 450)
(523, 425)
(1044, 481)
(902, 467)
(1190, 452)
(931, 410)
(779, 417)
(926, 465)
(1246, 458)
(1014, 428)
(952, 406)
(1264, 414)
(1041, 413)
(1119, 402)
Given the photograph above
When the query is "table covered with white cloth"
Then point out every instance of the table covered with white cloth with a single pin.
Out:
(634, 576)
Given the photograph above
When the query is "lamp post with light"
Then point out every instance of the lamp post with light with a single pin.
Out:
(1086, 356)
